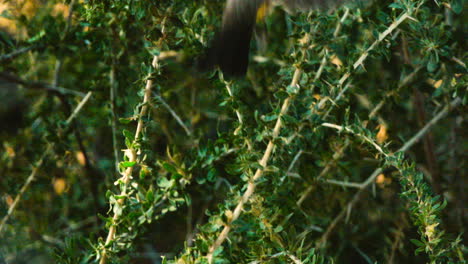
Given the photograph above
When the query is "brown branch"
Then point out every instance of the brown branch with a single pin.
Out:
(113, 91)
(16, 53)
(38, 85)
(428, 144)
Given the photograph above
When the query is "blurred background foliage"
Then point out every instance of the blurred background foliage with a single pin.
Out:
(318, 200)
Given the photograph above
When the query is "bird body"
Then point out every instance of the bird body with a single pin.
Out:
(230, 47)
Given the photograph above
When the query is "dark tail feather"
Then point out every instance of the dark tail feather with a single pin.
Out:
(230, 51)
(230, 47)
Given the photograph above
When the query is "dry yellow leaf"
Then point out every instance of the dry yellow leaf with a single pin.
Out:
(5, 23)
(61, 9)
(9, 200)
(29, 8)
(10, 151)
(336, 61)
(17, 8)
(60, 185)
(434, 83)
(382, 135)
(438, 83)
(382, 180)
(229, 215)
(80, 158)
(195, 119)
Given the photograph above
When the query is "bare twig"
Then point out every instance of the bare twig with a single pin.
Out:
(295, 159)
(78, 108)
(39, 85)
(173, 113)
(457, 101)
(347, 208)
(399, 235)
(113, 90)
(69, 18)
(407, 80)
(294, 259)
(344, 184)
(325, 170)
(340, 23)
(16, 53)
(239, 115)
(25, 186)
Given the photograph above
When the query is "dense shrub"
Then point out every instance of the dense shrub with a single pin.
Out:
(345, 143)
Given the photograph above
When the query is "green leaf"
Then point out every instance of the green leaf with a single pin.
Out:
(417, 242)
(150, 196)
(268, 118)
(396, 5)
(127, 164)
(165, 183)
(126, 120)
(293, 89)
(36, 37)
(457, 6)
(278, 229)
(169, 168)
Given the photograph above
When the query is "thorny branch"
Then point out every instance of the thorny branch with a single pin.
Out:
(132, 157)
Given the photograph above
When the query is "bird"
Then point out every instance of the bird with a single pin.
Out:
(230, 47)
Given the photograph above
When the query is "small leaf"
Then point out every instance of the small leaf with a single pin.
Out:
(150, 196)
(278, 229)
(165, 183)
(268, 118)
(417, 242)
(126, 120)
(396, 5)
(127, 164)
(457, 6)
(169, 168)
(293, 89)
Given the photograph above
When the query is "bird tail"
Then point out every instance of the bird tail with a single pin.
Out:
(230, 47)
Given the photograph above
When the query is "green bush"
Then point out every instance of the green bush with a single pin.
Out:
(344, 143)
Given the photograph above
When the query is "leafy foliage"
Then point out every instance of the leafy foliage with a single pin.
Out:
(344, 144)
